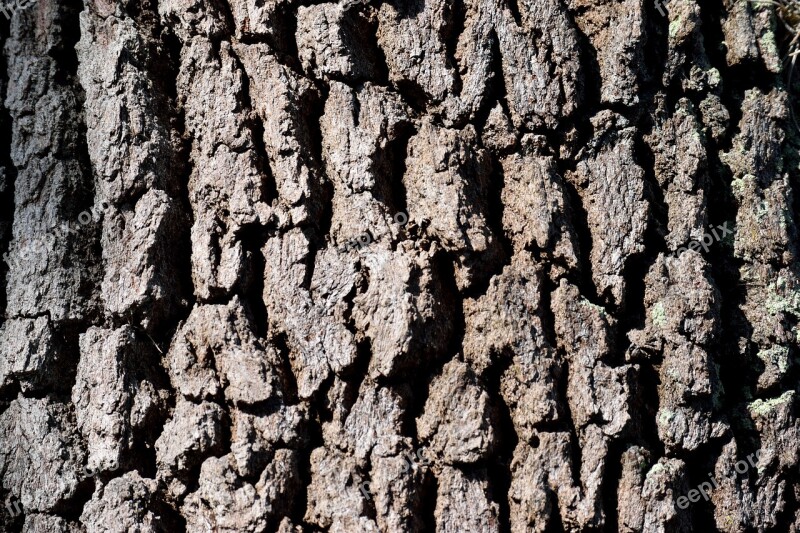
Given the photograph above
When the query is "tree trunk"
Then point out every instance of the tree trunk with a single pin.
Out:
(451, 265)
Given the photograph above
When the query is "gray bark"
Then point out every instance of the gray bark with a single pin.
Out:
(437, 265)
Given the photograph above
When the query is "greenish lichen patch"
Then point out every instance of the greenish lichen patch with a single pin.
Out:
(769, 43)
(657, 469)
(764, 407)
(665, 416)
(777, 356)
(596, 307)
(673, 374)
(738, 185)
(760, 5)
(714, 77)
(658, 315)
(778, 303)
(674, 27)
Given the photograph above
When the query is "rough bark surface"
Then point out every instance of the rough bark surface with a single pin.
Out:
(425, 265)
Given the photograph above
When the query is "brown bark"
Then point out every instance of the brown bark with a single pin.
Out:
(451, 265)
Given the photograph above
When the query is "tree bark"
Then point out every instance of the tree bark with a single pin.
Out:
(425, 265)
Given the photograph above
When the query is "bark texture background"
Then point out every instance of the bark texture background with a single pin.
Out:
(203, 354)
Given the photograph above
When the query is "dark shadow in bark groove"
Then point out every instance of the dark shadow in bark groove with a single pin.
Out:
(644, 430)
(786, 515)
(191, 477)
(171, 519)
(9, 177)
(359, 34)
(495, 90)
(315, 245)
(65, 56)
(355, 375)
(495, 209)
(169, 65)
(166, 71)
(444, 266)
(546, 289)
(320, 205)
(9, 394)
(66, 365)
(589, 96)
(736, 374)
(429, 496)
(12, 524)
(367, 36)
(82, 198)
(415, 97)
(655, 52)
(699, 464)
(631, 312)
(580, 120)
(269, 188)
(575, 450)
(494, 220)
(253, 239)
(396, 162)
(142, 455)
(499, 463)
(288, 381)
(413, 394)
(580, 223)
(554, 525)
(224, 8)
(369, 503)
(453, 29)
(314, 440)
(513, 8)
(610, 483)
(71, 508)
(420, 378)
